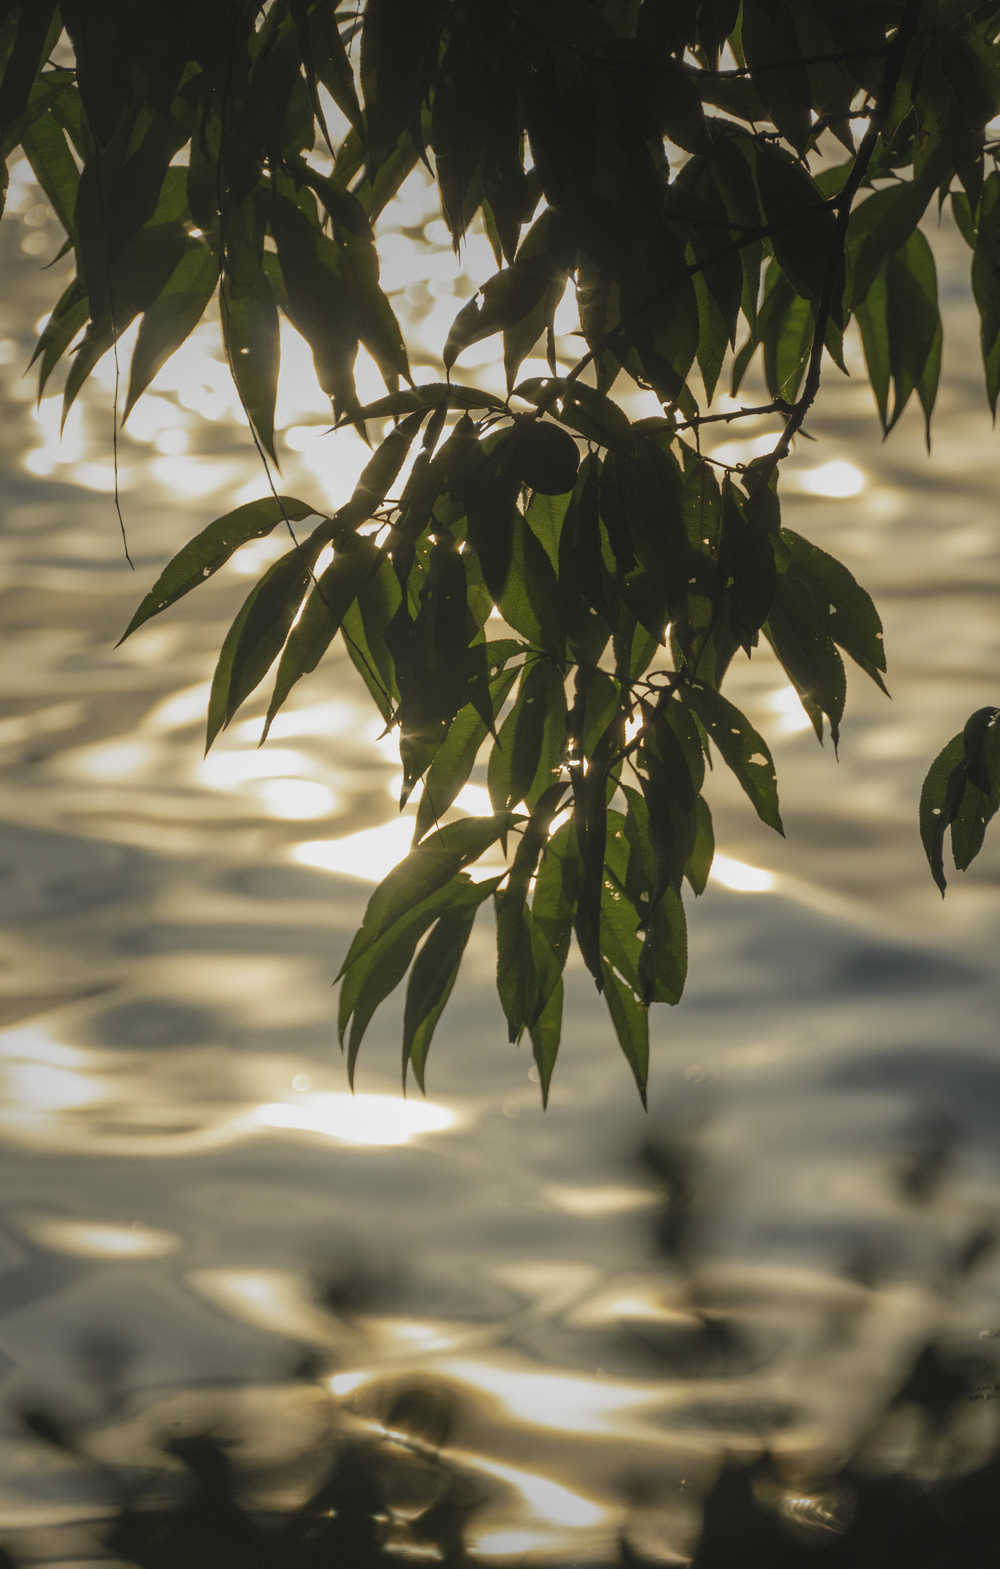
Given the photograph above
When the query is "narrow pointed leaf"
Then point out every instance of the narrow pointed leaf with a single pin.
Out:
(170, 318)
(330, 597)
(212, 548)
(429, 866)
(256, 637)
(432, 978)
(743, 748)
(631, 1021)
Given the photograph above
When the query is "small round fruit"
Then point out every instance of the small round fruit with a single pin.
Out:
(547, 458)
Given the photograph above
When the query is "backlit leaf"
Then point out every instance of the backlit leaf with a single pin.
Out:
(744, 750)
(171, 317)
(329, 599)
(630, 1018)
(212, 548)
(258, 633)
(429, 866)
(432, 979)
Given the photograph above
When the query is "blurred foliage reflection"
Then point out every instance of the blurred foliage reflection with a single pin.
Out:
(385, 1478)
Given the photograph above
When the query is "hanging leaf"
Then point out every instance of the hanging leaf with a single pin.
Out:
(379, 970)
(940, 798)
(212, 548)
(456, 756)
(798, 630)
(699, 862)
(430, 865)
(744, 750)
(250, 335)
(330, 597)
(432, 980)
(171, 317)
(257, 636)
(53, 165)
(664, 956)
(67, 319)
(852, 620)
(630, 1018)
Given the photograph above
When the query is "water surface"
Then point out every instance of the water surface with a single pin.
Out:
(181, 1157)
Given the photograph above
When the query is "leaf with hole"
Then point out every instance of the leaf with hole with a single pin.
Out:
(743, 749)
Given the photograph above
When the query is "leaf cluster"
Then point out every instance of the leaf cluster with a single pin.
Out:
(539, 579)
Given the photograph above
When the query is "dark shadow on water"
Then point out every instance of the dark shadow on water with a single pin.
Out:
(386, 1493)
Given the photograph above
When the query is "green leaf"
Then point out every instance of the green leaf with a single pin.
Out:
(381, 471)
(323, 53)
(545, 516)
(631, 1021)
(71, 313)
(853, 622)
(250, 335)
(797, 629)
(517, 301)
(321, 301)
(962, 792)
(530, 601)
(545, 1033)
(804, 228)
(330, 597)
(699, 862)
(872, 316)
(53, 165)
(379, 969)
(743, 749)
(432, 978)
(939, 801)
(879, 226)
(455, 757)
(664, 956)
(428, 395)
(31, 45)
(914, 326)
(670, 792)
(774, 57)
(212, 548)
(986, 283)
(429, 866)
(363, 630)
(517, 982)
(171, 317)
(258, 633)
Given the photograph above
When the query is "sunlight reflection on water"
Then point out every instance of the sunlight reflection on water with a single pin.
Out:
(358, 1118)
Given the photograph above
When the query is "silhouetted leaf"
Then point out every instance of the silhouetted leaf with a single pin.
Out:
(699, 862)
(428, 867)
(428, 395)
(250, 334)
(330, 597)
(431, 981)
(852, 621)
(797, 629)
(663, 960)
(745, 751)
(257, 636)
(631, 1021)
(212, 548)
(942, 792)
(52, 163)
(170, 318)
(380, 966)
